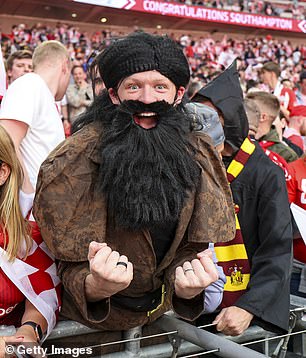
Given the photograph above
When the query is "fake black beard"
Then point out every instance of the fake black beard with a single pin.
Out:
(145, 174)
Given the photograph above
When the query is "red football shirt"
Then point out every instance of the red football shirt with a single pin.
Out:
(11, 298)
(297, 194)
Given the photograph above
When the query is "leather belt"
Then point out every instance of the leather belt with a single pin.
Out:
(149, 303)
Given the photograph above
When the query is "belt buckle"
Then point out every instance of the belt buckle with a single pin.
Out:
(163, 293)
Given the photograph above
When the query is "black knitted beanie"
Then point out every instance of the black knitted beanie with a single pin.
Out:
(140, 52)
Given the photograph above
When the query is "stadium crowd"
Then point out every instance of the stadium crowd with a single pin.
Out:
(269, 8)
(78, 186)
(206, 55)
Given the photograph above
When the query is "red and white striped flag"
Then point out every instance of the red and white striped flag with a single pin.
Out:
(36, 278)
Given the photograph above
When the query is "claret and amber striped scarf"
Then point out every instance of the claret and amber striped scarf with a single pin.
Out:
(232, 255)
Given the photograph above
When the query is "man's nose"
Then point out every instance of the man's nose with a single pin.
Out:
(147, 95)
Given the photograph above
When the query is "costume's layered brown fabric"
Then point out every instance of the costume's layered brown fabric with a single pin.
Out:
(71, 213)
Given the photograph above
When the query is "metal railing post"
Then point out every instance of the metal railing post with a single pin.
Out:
(132, 348)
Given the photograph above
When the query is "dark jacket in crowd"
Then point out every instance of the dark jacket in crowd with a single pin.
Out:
(264, 217)
(264, 214)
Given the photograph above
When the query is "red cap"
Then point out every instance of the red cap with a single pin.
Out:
(298, 111)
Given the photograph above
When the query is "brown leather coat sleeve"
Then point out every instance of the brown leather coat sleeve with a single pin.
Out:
(73, 276)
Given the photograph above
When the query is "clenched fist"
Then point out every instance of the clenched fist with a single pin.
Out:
(193, 277)
(110, 272)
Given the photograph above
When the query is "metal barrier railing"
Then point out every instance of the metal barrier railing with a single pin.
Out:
(190, 341)
(253, 335)
(221, 346)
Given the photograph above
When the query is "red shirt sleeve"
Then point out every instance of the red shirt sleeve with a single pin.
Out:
(291, 185)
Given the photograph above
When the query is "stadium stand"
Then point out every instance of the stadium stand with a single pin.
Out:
(209, 51)
(206, 54)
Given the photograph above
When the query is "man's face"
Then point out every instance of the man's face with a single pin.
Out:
(146, 152)
(265, 121)
(266, 77)
(147, 87)
(19, 68)
(287, 84)
(64, 80)
(279, 124)
(79, 75)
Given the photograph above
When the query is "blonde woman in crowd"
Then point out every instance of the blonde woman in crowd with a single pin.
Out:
(28, 293)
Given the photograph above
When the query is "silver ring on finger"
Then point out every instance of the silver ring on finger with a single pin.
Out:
(189, 269)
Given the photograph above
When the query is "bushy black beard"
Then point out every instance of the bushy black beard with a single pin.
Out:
(145, 174)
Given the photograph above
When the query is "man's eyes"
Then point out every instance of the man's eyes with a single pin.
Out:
(22, 65)
(159, 87)
(133, 87)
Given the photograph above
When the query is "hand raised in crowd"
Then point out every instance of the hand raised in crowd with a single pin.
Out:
(233, 320)
(193, 277)
(110, 272)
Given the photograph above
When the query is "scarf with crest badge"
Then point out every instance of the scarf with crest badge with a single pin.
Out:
(232, 255)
